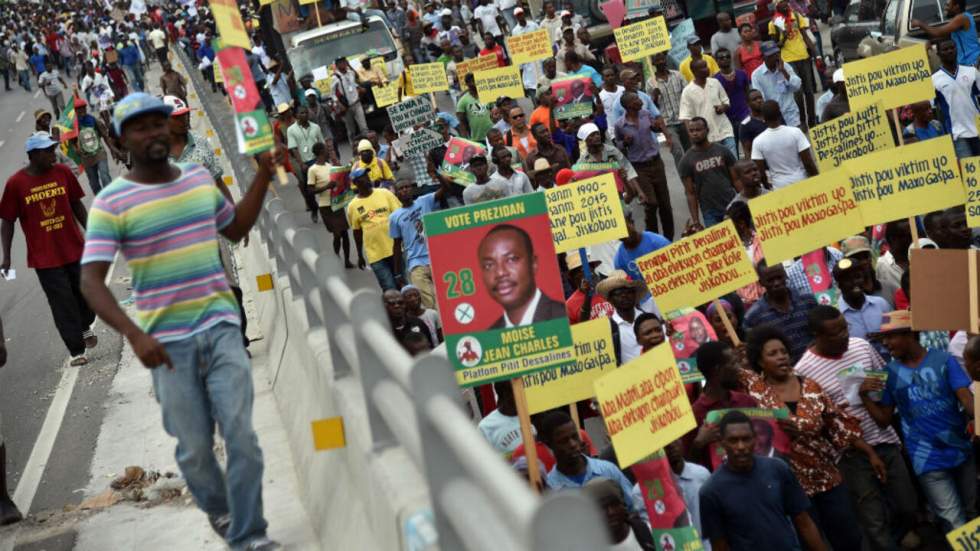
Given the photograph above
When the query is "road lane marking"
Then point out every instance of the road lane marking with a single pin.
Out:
(20, 116)
(38, 93)
(2, 142)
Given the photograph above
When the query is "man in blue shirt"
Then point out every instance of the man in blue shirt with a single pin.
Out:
(863, 312)
(410, 251)
(129, 56)
(928, 387)
(782, 307)
(635, 245)
(778, 82)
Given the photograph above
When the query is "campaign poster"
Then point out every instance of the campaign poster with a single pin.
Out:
(343, 192)
(499, 290)
(687, 333)
(670, 520)
(573, 97)
(584, 171)
(456, 162)
(770, 440)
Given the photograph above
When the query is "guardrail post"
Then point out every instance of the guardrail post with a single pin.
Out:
(568, 521)
(366, 305)
(304, 240)
(334, 314)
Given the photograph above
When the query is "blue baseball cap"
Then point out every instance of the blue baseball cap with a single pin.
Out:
(39, 140)
(357, 173)
(136, 104)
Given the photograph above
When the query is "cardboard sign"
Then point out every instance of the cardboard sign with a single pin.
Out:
(807, 215)
(594, 356)
(944, 307)
(385, 95)
(482, 63)
(906, 181)
(857, 133)
(528, 47)
(697, 269)
(229, 21)
(897, 78)
(428, 77)
(573, 97)
(498, 289)
(421, 141)
(615, 12)
(584, 171)
(409, 112)
(585, 213)
(971, 173)
(495, 83)
(966, 537)
(769, 437)
(642, 39)
(456, 162)
(644, 405)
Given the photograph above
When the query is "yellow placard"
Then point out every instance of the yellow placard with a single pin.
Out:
(966, 537)
(849, 136)
(697, 269)
(475, 65)
(585, 213)
(322, 86)
(385, 95)
(328, 434)
(528, 47)
(906, 181)
(805, 216)
(229, 21)
(217, 72)
(428, 77)
(228, 180)
(971, 180)
(897, 78)
(495, 83)
(265, 2)
(643, 39)
(304, 2)
(264, 282)
(594, 356)
(644, 405)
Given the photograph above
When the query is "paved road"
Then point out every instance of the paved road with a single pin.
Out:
(35, 371)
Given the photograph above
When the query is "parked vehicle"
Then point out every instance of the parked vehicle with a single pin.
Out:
(895, 30)
(846, 32)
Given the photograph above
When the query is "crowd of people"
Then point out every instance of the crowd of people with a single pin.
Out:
(851, 465)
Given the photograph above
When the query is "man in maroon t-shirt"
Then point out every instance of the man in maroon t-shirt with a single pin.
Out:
(47, 200)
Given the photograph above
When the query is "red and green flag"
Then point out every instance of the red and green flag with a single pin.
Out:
(67, 125)
(238, 79)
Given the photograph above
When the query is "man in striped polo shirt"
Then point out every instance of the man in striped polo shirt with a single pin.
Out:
(165, 219)
(884, 496)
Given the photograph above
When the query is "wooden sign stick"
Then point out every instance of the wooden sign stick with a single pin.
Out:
(573, 412)
(530, 446)
(901, 142)
(728, 323)
(974, 329)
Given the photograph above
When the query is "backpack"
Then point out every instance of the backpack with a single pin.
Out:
(89, 141)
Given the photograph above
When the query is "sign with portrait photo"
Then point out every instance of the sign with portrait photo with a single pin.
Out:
(456, 162)
(573, 97)
(498, 289)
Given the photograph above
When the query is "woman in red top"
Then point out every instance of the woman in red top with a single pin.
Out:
(749, 52)
(493, 48)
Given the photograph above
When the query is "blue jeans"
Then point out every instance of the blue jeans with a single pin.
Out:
(729, 143)
(712, 217)
(135, 73)
(964, 147)
(384, 273)
(212, 381)
(24, 78)
(952, 493)
(98, 176)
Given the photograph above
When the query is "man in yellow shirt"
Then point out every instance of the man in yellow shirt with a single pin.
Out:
(694, 46)
(790, 31)
(369, 214)
(378, 170)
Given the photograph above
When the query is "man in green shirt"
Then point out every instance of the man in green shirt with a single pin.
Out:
(300, 137)
(474, 116)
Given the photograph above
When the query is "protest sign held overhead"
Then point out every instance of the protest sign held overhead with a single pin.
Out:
(456, 163)
(498, 289)
(688, 332)
(495, 83)
(642, 39)
(971, 181)
(428, 77)
(573, 97)
(896, 78)
(665, 505)
(475, 65)
(906, 181)
(805, 216)
(584, 171)
(528, 47)
(849, 136)
(944, 307)
(697, 269)
(594, 356)
(229, 22)
(409, 112)
(644, 405)
(585, 212)
(385, 95)
(421, 141)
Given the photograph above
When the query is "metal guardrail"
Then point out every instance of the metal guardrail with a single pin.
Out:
(479, 502)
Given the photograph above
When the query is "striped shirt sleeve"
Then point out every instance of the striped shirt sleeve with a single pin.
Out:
(102, 236)
(224, 211)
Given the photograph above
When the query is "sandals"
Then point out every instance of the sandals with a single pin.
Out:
(78, 361)
(91, 341)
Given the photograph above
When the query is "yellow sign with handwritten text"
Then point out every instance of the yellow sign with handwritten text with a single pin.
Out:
(594, 356)
(495, 83)
(585, 213)
(897, 78)
(906, 181)
(849, 136)
(644, 405)
(475, 65)
(428, 77)
(385, 95)
(643, 39)
(805, 216)
(528, 47)
(698, 268)
(971, 181)
(966, 537)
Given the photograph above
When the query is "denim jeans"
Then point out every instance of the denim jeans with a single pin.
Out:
(729, 143)
(832, 512)
(964, 147)
(384, 273)
(212, 382)
(952, 493)
(712, 217)
(24, 78)
(98, 176)
(135, 73)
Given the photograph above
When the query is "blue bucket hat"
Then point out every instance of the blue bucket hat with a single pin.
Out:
(136, 104)
(39, 140)
(357, 173)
